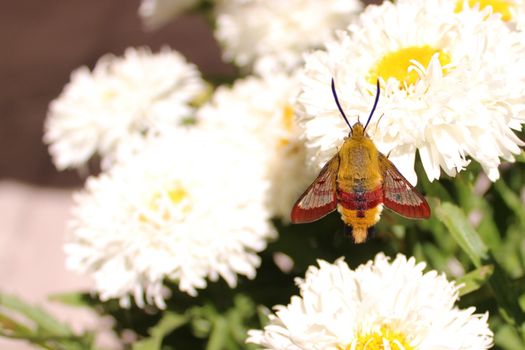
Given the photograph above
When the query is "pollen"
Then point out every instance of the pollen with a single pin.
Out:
(396, 64)
(383, 339)
(503, 7)
(287, 120)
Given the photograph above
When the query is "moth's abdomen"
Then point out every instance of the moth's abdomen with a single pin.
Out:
(361, 210)
(360, 199)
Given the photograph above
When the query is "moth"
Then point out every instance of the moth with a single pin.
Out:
(358, 181)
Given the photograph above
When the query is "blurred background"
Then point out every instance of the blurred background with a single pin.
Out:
(42, 43)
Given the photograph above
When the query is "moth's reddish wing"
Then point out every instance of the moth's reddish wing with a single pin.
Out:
(399, 195)
(320, 198)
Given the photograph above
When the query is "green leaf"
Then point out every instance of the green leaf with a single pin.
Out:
(462, 231)
(512, 200)
(10, 327)
(219, 333)
(506, 297)
(75, 299)
(42, 319)
(243, 310)
(487, 229)
(434, 189)
(201, 318)
(168, 323)
(474, 280)
(520, 158)
(435, 256)
(464, 189)
(148, 344)
(509, 254)
(468, 239)
(508, 338)
(263, 315)
(22, 321)
(85, 342)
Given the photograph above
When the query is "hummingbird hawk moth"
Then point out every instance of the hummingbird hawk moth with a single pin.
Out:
(357, 181)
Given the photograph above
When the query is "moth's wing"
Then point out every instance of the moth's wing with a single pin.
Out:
(399, 195)
(320, 198)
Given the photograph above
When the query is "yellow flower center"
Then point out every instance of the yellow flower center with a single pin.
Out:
(287, 119)
(163, 203)
(108, 95)
(396, 64)
(177, 194)
(502, 7)
(384, 339)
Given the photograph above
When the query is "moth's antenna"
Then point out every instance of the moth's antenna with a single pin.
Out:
(375, 105)
(339, 105)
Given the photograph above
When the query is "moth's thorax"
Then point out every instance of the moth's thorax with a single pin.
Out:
(359, 162)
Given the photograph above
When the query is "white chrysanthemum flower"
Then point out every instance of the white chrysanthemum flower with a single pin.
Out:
(510, 11)
(122, 97)
(263, 109)
(452, 87)
(189, 207)
(156, 13)
(273, 34)
(381, 305)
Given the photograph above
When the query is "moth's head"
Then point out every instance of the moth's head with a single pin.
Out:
(357, 130)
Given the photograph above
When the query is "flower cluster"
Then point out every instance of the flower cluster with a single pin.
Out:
(381, 305)
(194, 173)
(451, 86)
